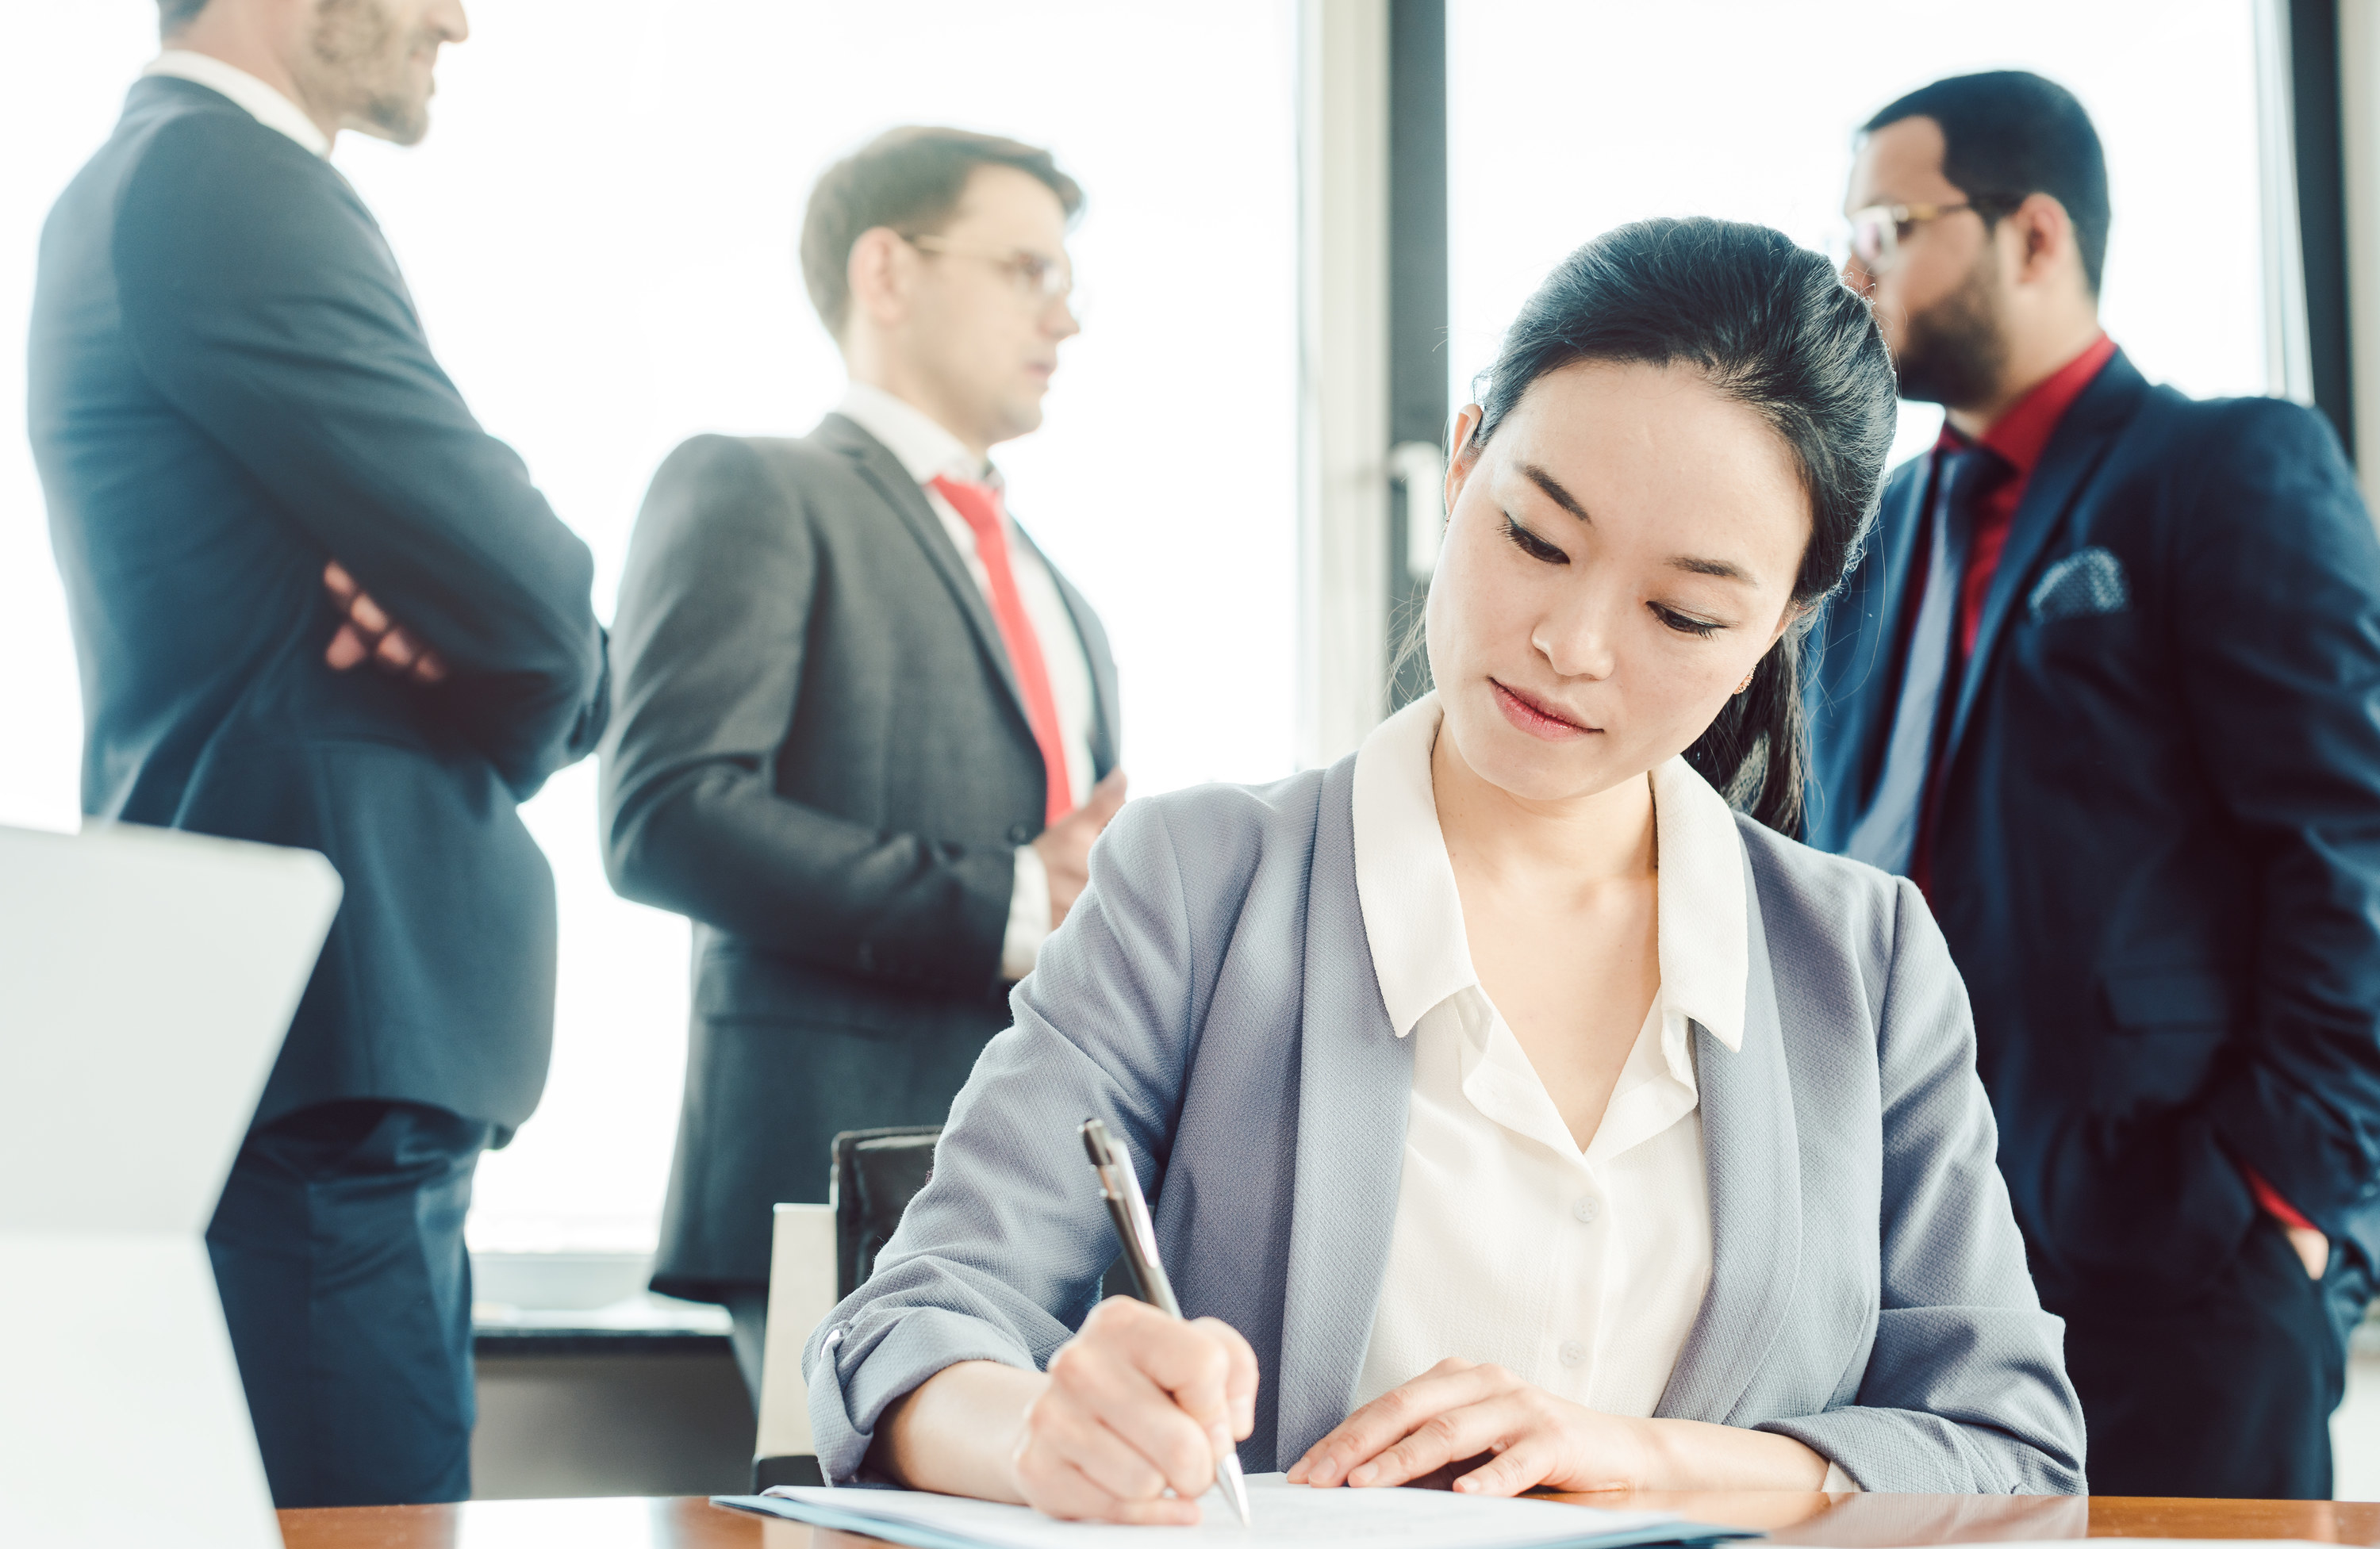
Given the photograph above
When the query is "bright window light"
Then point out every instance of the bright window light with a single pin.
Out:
(599, 234)
(1566, 120)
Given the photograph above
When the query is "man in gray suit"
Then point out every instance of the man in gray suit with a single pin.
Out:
(865, 733)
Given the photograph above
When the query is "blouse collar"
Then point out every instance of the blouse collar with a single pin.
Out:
(1412, 915)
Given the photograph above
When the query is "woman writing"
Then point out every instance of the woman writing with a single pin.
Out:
(1514, 1111)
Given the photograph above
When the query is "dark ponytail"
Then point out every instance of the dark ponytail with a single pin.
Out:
(1771, 326)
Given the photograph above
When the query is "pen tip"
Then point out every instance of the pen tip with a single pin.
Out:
(1235, 1489)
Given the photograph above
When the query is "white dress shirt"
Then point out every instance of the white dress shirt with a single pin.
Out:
(1579, 1269)
(928, 450)
(263, 103)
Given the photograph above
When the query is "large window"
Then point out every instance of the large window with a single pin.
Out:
(599, 233)
(1566, 120)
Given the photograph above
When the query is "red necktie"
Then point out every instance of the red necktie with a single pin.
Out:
(979, 507)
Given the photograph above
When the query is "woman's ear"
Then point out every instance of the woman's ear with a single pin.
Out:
(1463, 454)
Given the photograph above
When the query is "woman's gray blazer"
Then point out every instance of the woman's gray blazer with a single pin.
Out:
(1212, 998)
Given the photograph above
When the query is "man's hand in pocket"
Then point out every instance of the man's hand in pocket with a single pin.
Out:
(2313, 1248)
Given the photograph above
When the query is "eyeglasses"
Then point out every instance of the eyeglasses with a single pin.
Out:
(1039, 280)
(1877, 232)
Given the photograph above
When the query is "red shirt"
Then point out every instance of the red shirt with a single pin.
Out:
(2018, 438)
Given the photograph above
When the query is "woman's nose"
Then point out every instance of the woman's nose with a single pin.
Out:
(1578, 643)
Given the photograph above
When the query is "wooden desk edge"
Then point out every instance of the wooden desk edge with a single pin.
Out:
(1841, 1522)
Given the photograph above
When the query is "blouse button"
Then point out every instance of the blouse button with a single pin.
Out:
(1587, 1208)
(1572, 1352)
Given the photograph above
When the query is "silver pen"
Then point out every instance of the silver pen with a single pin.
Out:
(1129, 1211)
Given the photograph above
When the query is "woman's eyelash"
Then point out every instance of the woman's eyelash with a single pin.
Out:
(1685, 623)
(1532, 545)
(1537, 547)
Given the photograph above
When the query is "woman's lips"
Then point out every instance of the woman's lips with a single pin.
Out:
(1538, 719)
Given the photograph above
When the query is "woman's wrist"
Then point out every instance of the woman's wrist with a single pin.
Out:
(956, 1433)
(1693, 1455)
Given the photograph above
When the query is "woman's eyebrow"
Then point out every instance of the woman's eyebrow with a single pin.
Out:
(1719, 568)
(1552, 487)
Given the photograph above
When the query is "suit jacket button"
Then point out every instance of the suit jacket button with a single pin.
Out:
(1019, 833)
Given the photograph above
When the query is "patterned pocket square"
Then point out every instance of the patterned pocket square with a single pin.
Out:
(2086, 583)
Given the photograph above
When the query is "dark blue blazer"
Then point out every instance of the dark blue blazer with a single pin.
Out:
(2157, 858)
(229, 387)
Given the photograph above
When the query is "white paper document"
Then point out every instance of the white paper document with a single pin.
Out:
(1286, 1517)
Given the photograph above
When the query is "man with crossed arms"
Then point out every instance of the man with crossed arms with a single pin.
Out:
(256, 471)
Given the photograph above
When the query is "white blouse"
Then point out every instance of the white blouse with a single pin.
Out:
(1581, 1270)
(1577, 1269)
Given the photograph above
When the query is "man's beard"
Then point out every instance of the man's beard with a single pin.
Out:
(1954, 352)
(366, 63)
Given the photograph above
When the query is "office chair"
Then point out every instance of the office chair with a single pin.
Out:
(818, 1254)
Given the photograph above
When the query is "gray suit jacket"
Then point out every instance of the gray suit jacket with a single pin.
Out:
(1212, 998)
(818, 751)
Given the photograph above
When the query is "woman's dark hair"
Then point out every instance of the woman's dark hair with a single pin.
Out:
(1772, 327)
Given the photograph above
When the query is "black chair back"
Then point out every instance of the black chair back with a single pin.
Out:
(876, 1173)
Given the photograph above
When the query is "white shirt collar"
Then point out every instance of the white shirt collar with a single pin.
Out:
(1412, 915)
(912, 435)
(263, 103)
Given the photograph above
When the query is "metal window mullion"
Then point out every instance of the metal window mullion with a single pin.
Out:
(1343, 367)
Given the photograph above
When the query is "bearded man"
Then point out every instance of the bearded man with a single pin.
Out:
(2107, 684)
(255, 468)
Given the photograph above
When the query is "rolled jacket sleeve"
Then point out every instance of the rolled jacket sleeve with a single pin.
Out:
(999, 1256)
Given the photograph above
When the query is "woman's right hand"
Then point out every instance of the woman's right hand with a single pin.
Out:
(1136, 1404)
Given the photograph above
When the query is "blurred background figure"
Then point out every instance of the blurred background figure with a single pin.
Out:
(2107, 684)
(866, 731)
(255, 468)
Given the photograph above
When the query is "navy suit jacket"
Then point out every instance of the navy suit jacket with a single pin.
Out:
(229, 387)
(2157, 852)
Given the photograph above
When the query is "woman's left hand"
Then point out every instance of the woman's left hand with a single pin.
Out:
(1457, 1411)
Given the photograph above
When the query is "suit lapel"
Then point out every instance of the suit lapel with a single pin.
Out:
(1752, 1152)
(880, 468)
(1354, 1088)
(2075, 449)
